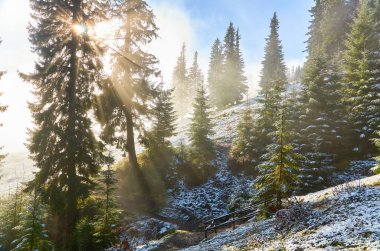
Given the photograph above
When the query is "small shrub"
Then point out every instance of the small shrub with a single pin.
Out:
(287, 218)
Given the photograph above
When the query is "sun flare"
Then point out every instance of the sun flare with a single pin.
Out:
(79, 29)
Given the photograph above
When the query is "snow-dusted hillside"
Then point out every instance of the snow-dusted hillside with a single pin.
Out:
(212, 198)
(345, 217)
(17, 168)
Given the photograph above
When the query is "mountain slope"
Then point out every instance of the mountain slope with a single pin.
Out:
(344, 217)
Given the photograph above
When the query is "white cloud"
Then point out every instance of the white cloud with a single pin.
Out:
(175, 28)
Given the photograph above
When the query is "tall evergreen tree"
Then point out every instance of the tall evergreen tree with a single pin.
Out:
(129, 94)
(62, 144)
(215, 76)
(362, 76)
(158, 148)
(233, 79)
(323, 124)
(164, 117)
(11, 211)
(32, 225)
(274, 70)
(108, 215)
(200, 130)
(181, 93)
(241, 86)
(195, 78)
(278, 172)
(273, 85)
(241, 154)
(314, 41)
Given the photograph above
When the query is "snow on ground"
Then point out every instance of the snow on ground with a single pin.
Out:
(344, 217)
(146, 229)
(357, 169)
(225, 123)
(211, 198)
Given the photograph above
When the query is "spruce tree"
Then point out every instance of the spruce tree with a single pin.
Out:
(233, 79)
(274, 70)
(241, 153)
(62, 144)
(196, 78)
(158, 148)
(200, 131)
(321, 80)
(108, 216)
(273, 85)
(10, 218)
(323, 121)
(241, 86)
(314, 41)
(127, 97)
(181, 93)
(164, 117)
(362, 76)
(215, 76)
(278, 171)
(32, 226)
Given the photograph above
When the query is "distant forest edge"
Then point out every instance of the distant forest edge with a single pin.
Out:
(302, 128)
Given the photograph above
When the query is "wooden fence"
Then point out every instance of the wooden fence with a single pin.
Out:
(231, 219)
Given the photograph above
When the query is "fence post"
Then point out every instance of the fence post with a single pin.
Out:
(233, 221)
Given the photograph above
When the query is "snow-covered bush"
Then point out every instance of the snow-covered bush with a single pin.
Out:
(287, 218)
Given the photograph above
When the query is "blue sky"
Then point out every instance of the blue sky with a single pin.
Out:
(196, 22)
(211, 18)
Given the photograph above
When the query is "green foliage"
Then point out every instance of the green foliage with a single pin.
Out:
(362, 77)
(10, 218)
(226, 79)
(32, 225)
(23, 223)
(278, 171)
(214, 74)
(195, 77)
(190, 170)
(241, 153)
(180, 83)
(108, 217)
(273, 85)
(274, 69)
(84, 235)
(163, 118)
(159, 153)
(202, 147)
(324, 129)
(62, 144)
(128, 94)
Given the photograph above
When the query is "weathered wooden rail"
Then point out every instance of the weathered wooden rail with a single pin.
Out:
(231, 218)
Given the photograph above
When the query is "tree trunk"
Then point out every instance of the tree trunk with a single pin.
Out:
(131, 149)
(71, 211)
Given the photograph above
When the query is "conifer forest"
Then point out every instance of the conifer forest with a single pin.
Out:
(131, 148)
